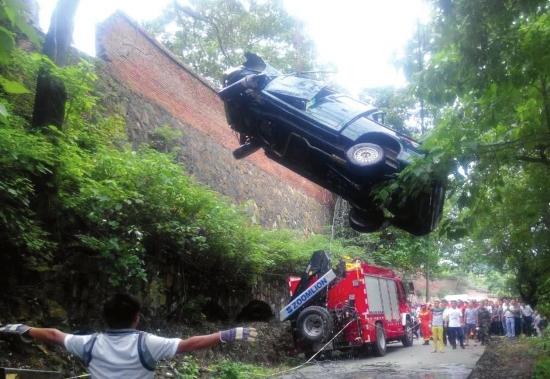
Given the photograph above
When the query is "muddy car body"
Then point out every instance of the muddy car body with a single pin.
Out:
(330, 138)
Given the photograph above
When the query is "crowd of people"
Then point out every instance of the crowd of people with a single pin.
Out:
(458, 322)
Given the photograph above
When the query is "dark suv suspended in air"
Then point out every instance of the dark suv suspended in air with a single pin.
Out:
(330, 138)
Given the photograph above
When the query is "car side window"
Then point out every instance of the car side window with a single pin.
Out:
(334, 111)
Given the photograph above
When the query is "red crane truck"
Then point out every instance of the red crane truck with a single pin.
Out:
(370, 300)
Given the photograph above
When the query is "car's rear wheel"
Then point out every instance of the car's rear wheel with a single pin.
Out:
(365, 155)
(364, 222)
(421, 213)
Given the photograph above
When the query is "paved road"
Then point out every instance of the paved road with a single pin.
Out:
(416, 362)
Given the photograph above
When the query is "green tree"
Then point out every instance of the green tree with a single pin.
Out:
(399, 106)
(213, 35)
(488, 74)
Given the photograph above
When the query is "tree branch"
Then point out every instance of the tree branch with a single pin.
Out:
(199, 17)
(544, 160)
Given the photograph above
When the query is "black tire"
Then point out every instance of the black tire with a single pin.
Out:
(379, 346)
(420, 215)
(408, 337)
(314, 324)
(365, 155)
(245, 150)
(366, 223)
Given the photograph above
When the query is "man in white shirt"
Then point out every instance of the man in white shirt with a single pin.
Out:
(509, 321)
(527, 313)
(453, 318)
(122, 351)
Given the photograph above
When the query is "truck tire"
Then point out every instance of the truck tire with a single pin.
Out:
(314, 324)
(408, 337)
(379, 346)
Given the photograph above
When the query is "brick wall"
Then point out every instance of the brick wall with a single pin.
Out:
(155, 89)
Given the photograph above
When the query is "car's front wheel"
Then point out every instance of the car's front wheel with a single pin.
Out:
(365, 155)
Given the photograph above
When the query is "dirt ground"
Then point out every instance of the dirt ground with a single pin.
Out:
(505, 358)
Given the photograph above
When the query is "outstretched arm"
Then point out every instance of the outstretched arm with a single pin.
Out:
(48, 335)
(198, 342)
(209, 340)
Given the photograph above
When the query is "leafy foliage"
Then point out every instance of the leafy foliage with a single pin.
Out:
(480, 63)
(212, 36)
(237, 370)
(123, 218)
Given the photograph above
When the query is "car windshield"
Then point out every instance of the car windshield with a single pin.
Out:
(335, 110)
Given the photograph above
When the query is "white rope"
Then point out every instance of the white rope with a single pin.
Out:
(310, 358)
(79, 376)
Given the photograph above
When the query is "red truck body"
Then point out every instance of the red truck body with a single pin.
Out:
(373, 296)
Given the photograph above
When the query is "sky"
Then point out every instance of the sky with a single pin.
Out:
(361, 38)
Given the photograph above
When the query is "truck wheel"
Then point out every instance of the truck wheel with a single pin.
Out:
(365, 155)
(408, 337)
(380, 343)
(314, 324)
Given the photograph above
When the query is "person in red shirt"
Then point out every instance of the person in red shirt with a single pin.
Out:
(425, 317)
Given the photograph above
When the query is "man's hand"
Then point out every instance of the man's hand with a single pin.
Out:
(16, 329)
(238, 334)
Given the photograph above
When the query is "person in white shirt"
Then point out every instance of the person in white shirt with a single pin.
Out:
(508, 314)
(453, 319)
(122, 351)
(527, 314)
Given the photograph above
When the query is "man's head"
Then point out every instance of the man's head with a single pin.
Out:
(444, 303)
(436, 303)
(121, 311)
(453, 303)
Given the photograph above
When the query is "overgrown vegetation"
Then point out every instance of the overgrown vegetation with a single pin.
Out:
(80, 207)
(479, 87)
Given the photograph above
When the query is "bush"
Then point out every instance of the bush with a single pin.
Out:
(236, 370)
(188, 368)
(102, 217)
